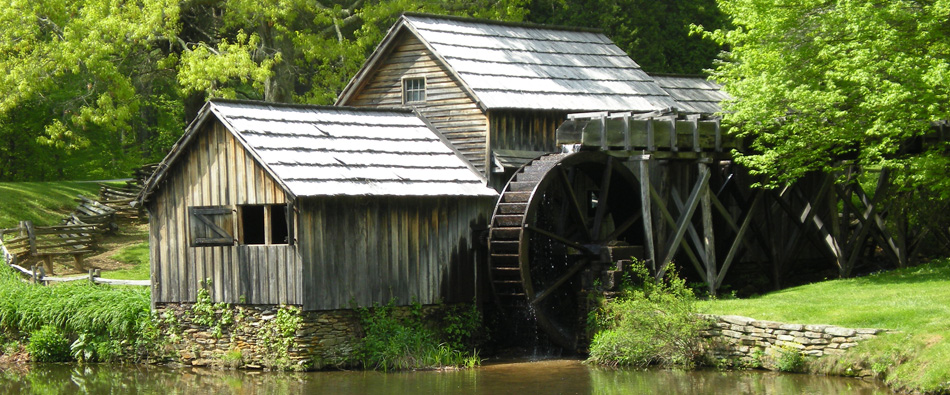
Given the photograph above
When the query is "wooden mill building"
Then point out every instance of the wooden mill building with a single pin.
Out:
(383, 195)
(498, 91)
(315, 206)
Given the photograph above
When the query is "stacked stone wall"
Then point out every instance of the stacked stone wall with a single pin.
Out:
(747, 340)
(323, 338)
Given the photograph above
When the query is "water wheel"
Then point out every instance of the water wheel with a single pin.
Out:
(559, 217)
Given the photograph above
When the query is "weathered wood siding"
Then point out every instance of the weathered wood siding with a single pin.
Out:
(525, 130)
(450, 110)
(367, 250)
(215, 170)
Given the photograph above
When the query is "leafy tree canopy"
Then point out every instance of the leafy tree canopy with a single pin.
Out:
(93, 87)
(815, 81)
(656, 34)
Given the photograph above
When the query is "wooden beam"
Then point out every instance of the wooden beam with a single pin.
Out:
(602, 199)
(577, 212)
(740, 236)
(680, 227)
(665, 214)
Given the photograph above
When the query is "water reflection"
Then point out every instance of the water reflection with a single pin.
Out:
(554, 377)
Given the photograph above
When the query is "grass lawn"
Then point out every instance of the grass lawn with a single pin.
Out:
(44, 203)
(914, 301)
(135, 255)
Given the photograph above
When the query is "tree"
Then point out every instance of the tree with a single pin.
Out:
(81, 79)
(298, 50)
(93, 88)
(656, 34)
(818, 81)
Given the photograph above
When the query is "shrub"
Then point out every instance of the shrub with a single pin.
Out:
(48, 344)
(653, 322)
(789, 359)
(391, 342)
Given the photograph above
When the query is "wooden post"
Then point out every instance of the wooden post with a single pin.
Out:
(645, 206)
(708, 237)
(27, 226)
(78, 259)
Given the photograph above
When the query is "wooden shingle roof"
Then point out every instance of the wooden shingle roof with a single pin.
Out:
(328, 151)
(693, 94)
(508, 66)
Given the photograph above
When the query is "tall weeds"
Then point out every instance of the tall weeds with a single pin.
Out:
(115, 314)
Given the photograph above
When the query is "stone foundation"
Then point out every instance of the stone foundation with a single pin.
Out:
(322, 338)
(746, 340)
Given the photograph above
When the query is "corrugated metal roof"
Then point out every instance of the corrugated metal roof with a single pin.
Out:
(695, 95)
(325, 151)
(530, 67)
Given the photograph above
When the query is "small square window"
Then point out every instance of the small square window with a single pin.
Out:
(414, 90)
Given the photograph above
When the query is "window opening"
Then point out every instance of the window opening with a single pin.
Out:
(414, 90)
(252, 224)
(278, 228)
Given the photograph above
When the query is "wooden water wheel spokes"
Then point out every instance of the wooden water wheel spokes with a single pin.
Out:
(558, 216)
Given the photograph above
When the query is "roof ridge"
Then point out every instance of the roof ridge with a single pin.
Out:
(527, 25)
(264, 103)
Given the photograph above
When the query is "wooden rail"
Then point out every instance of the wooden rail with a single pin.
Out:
(38, 275)
(46, 242)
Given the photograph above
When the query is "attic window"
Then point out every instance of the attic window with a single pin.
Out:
(414, 90)
(264, 224)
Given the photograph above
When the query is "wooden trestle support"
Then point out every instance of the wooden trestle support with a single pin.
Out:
(664, 189)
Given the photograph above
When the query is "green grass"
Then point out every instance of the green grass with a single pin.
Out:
(44, 203)
(136, 255)
(914, 301)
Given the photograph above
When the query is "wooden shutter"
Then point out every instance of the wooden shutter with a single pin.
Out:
(212, 226)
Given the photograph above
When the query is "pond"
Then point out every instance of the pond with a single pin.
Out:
(560, 376)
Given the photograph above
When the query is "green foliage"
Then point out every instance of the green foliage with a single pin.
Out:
(656, 34)
(789, 359)
(233, 358)
(120, 314)
(276, 337)
(394, 342)
(215, 316)
(814, 81)
(85, 84)
(461, 326)
(653, 322)
(48, 344)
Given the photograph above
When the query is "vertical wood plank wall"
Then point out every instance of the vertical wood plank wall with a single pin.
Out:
(215, 170)
(447, 106)
(524, 130)
(367, 250)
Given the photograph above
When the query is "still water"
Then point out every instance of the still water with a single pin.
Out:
(541, 377)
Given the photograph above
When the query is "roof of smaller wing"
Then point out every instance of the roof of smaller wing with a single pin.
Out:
(325, 151)
(542, 68)
(693, 94)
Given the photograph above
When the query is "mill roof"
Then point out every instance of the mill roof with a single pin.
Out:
(327, 151)
(693, 94)
(516, 66)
